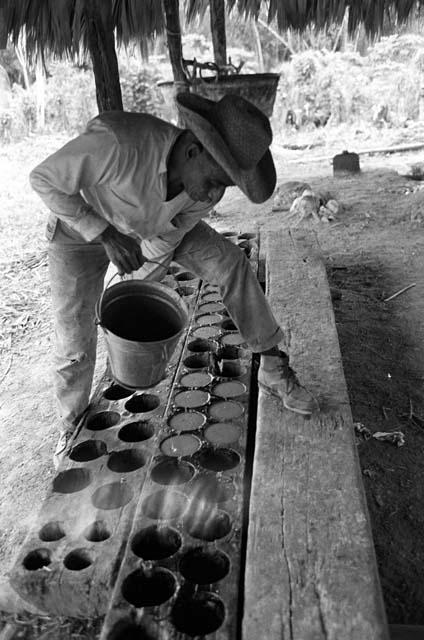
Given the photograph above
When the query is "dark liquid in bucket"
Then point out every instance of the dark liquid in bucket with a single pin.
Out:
(141, 319)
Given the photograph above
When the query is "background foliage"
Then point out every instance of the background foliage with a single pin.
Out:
(328, 79)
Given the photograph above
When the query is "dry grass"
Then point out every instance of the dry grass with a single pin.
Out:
(28, 627)
(24, 288)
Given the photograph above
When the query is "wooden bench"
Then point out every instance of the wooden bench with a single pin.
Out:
(310, 568)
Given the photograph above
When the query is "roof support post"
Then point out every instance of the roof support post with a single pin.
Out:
(3, 30)
(219, 41)
(173, 36)
(103, 55)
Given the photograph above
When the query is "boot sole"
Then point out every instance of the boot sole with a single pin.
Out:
(270, 392)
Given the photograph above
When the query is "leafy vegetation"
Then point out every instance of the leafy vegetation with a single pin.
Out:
(327, 80)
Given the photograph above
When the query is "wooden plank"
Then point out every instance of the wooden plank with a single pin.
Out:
(310, 570)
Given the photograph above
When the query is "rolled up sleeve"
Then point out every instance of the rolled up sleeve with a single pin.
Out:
(89, 160)
(161, 248)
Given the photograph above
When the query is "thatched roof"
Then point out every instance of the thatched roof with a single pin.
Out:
(298, 14)
(60, 25)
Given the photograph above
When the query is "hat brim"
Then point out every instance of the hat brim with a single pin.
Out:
(197, 113)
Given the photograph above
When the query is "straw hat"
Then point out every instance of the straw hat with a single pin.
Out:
(237, 135)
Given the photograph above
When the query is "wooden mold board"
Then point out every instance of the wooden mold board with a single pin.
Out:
(70, 558)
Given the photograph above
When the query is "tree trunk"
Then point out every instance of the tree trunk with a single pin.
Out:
(22, 58)
(101, 43)
(258, 45)
(219, 40)
(173, 34)
(40, 88)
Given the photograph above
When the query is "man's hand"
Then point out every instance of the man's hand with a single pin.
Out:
(122, 250)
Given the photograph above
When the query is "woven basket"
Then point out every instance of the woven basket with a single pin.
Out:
(259, 88)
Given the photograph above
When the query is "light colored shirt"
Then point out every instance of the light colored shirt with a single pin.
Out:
(116, 173)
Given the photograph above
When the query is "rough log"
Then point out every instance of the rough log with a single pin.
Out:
(103, 55)
(219, 41)
(3, 30)
(173, 34)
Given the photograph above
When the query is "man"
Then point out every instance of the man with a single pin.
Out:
(133, 187)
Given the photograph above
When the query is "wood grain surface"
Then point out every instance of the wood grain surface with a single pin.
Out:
(310, 570)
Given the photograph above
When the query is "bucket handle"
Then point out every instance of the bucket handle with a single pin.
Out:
(99, 304)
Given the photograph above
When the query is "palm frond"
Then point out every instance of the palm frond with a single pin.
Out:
(60, 26)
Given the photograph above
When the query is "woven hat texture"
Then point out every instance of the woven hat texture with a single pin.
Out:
(237, 135)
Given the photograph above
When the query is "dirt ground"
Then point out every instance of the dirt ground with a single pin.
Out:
(373, 249)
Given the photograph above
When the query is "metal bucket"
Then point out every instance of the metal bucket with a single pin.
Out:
(142, 323)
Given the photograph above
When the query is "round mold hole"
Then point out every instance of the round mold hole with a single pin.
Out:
(228, 325)
(126, 460)
(185, 276)
(234, 339)
(88, 450)
(211, 307)
(97, 531)
(77, 560)
(199, 361)
(211, 288)
(186, 291)
(116, 392)
(103, 420)
(220, 433)
(37, 559)
(228, 352)
(207, 333)
(52, 531)
(231, 369)
(184, 444)
(205, 524)
(196, 379)
(136, 431)
(226, 410)
(148, 587)
(72, 480)
(112, 496)
(156, 543)
(173, 268)
(165, 505)
(187, 420)
(129, 630)
(201, 346)
(213, 296)
(172, 472)
(245, 247)
(142, 403)
(192, 399)
(204, 566)
(208, 319)
(209, 488)
(229, 389)
(198, 614)
(247, 236)
(218, 459)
